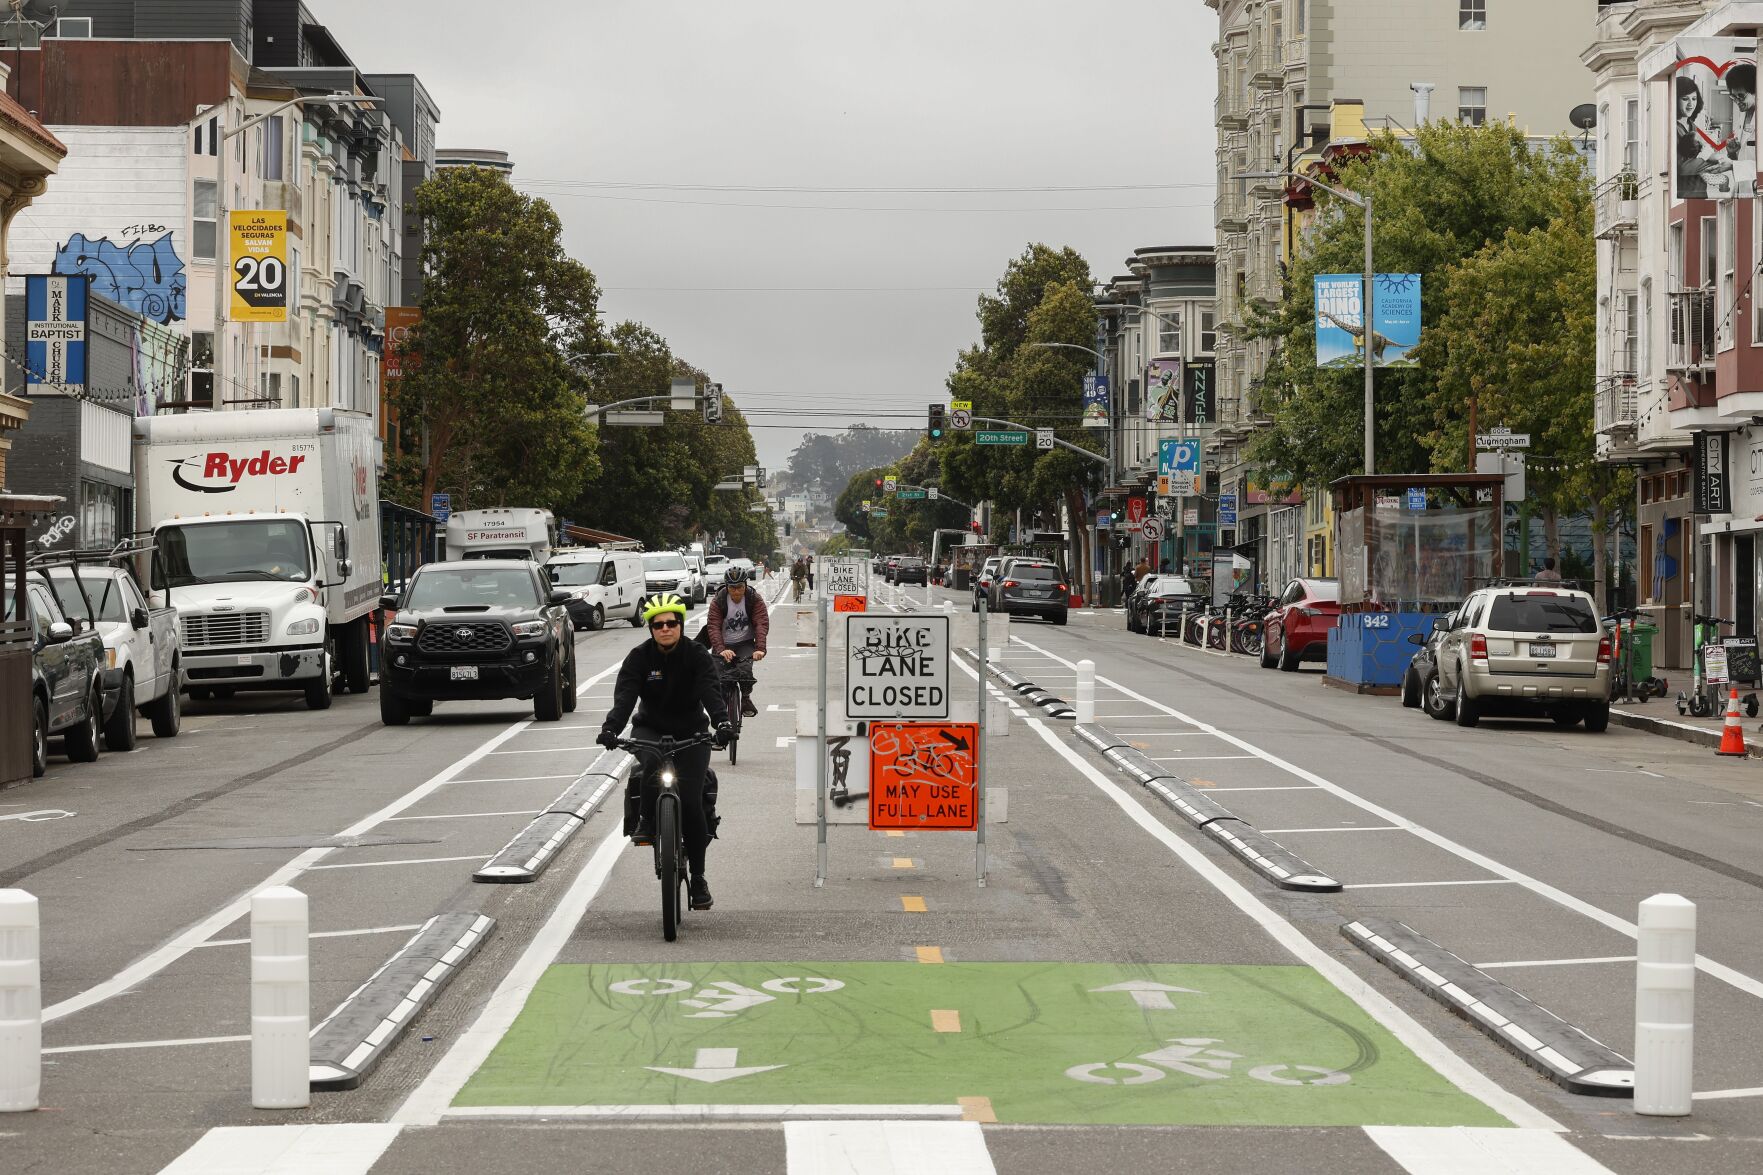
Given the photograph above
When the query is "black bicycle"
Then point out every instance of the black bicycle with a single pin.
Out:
(735, 675)
(662, 780)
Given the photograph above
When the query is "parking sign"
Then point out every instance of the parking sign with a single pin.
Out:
(1184, 464)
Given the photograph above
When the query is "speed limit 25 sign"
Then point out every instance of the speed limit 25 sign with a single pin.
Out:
(259, 239)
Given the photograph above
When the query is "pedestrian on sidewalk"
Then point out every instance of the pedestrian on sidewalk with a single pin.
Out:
(1548, 574)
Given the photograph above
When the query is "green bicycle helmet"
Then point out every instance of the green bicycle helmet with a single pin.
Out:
(665, 602)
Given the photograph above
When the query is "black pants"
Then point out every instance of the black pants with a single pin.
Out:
(740, 670)
(689, 766)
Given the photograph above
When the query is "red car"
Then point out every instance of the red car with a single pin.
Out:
(1297, 627)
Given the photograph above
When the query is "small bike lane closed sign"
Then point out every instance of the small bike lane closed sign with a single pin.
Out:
(924, 775)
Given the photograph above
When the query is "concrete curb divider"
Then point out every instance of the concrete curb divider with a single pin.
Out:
(352, 1039)
(1100, 737)
(531, 851)
(1561, 1052)
(1672, 728)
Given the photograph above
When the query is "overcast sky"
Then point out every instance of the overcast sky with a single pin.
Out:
(822, 301)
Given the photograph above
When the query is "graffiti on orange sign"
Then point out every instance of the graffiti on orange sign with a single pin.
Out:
(850, 603)
(923, 775)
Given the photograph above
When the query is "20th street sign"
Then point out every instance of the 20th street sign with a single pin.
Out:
(896, 666)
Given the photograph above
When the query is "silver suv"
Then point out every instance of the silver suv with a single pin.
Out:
(1532, 650)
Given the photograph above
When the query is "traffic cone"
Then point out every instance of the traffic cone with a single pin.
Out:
(1732, 739)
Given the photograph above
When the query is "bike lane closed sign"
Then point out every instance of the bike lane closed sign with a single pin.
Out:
(924, 775)
(896, 666)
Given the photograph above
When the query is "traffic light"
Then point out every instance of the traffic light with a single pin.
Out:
(713, 404)
(936, 422)
(878, 483)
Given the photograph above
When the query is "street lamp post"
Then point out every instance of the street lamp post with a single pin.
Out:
(1366, 301)
(223, 230)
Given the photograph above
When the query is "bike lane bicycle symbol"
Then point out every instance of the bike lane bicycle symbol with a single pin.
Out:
(1194, 1056)
(724, 998)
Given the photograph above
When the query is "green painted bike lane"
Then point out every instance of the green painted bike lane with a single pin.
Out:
(1185, 1044)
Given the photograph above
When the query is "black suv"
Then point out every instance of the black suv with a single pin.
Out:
(911, 570)
(484, 628)
(67, 665)
(1030, 587)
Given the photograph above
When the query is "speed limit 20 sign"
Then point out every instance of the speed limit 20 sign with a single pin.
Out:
(259, 255)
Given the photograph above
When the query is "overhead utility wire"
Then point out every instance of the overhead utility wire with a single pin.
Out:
(825, 190)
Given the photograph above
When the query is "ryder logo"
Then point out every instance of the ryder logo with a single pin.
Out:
(221, 473)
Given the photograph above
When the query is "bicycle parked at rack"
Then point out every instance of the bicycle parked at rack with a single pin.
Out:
(662, 782)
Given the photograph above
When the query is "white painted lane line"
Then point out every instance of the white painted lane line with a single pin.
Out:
(708, 1110)
(1403, 1026)
(1195, 758)
(1478, 1150)
(1720, 971)
(339, 1149)
(1712, 1095)
(473, 815)
(429, 1101)
(1342, 828)
(544, 750)
(144, 1044)
(1279, 787)
(886, 1148)
(507, 779)
(1419, 884)
(1555, 962)
(406, 929)
(409, 861)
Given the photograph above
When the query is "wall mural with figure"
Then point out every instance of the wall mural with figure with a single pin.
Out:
(146, 276)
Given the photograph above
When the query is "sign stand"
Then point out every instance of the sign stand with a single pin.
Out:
(820, 745)
(979, 852)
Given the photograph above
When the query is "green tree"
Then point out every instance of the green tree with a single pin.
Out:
(1437, 202)
(493, 399)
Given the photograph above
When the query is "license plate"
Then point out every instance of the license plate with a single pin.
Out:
(464, 673)
(244, 658)
(1542, 650)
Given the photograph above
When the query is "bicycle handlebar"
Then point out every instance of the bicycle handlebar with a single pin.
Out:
(1709, 620)
(666, 744)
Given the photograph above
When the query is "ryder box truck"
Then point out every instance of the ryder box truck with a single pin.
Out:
(266, 523)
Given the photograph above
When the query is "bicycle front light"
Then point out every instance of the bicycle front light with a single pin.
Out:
(667, 777)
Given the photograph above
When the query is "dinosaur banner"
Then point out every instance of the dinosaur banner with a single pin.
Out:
(1340, 319)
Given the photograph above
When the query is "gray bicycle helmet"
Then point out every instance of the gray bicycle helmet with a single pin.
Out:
(733, 576)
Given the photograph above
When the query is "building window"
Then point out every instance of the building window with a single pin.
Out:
(1627, 332)
(1472, 14)
(275, 147)
(1644, 349)
(1300, 16)
(1472, 105)
(201, 369)
(1724, 310)
(1208, 333)
(1277, 33)
(1169, 334)
(1674, 259)
(1631, 136)
(1706, 244)
(204, 209)
(293, 278)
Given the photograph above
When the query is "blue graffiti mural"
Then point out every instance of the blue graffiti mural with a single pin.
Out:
(145, 276)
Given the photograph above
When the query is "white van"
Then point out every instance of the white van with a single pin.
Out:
(606, 585)
(520, 532)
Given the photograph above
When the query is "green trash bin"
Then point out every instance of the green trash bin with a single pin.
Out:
(1640, 644)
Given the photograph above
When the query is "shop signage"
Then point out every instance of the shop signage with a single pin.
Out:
(1711, 490)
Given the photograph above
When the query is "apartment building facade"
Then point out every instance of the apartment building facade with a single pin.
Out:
(1680, 361)
(1286, 68)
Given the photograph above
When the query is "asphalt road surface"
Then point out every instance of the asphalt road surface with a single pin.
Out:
(1122, 994)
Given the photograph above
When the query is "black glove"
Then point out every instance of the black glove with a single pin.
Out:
(608, 739)
(724, 732)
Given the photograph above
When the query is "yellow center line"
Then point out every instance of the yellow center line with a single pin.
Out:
(902, 862)
(977, 1109)
(912, 905)
(945, 1020)
(930, 954)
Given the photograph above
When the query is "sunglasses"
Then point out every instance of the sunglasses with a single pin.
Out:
(664, 624)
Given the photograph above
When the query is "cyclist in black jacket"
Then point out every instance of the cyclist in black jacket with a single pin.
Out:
(673, 684)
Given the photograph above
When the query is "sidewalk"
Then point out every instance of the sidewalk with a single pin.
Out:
(1660, 716)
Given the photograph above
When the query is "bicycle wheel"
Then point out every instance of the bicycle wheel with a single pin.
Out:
(733, 744)
(667, 849)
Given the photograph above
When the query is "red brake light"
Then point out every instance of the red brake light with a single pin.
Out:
(1058, 587)
(1011, 583)
(1604, 650)
(1550, 595)
(1478, 647)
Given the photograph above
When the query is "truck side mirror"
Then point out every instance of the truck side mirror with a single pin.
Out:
(389, 603)
(60, 632)
(138, 618)
(345, 568)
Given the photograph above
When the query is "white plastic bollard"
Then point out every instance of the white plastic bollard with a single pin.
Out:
(21, 1002)
(1665, 1006)
(1086, 691)
(281, 1002)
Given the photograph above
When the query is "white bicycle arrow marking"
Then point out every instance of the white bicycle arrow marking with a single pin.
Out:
(713, 1065)
(41, 814)
(1148, 994)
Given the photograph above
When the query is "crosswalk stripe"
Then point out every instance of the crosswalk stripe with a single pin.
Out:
(1481, 1150)
(886, 1148)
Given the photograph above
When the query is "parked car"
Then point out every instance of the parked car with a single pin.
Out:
(1527, 651)
(982, 582)
(1297, 627)
(665, 571)
(911, 569)
(701, 585)
(67, 689)
(888, 565)
(602, 585)
(1030, 587)
(488, 628)
(140, 646)
(714, 568)
(1163, 599)
(1424, 664)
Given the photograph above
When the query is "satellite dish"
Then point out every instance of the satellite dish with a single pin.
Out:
(1584, 116)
